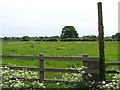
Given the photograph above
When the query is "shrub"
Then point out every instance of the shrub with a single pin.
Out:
(70, 39)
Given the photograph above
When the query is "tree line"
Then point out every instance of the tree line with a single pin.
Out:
(68, 33)
(58, 38)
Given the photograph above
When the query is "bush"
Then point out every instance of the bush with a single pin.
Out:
(70, 39)
(38, 39)
(52, 39)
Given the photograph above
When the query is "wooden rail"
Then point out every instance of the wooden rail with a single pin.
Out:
(85, 59)
(92, 64)
(51, 57)
(112, 64)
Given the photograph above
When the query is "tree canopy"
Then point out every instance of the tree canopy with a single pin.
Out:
(116, 36)
(25, 38)
(69, 32)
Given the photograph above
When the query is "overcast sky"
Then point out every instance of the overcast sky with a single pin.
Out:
(48, 17)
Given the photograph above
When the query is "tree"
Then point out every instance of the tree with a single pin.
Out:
(116, 36)
(6, 38)
(69, 32)
(25, 38)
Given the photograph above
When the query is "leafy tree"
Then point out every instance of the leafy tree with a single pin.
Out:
(116, 36)
(69, 32)
(25, 38)
(6, 38)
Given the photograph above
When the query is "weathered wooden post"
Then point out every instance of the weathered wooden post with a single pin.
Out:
(85, 64)
(101, 43)
(41, 67)
(119, 32)
(92, 70)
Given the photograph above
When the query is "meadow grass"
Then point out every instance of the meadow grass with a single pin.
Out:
(60, 49)
(56, 49)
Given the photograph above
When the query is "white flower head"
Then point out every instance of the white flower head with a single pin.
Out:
(83, 72)
(58, 83)
(103, 82)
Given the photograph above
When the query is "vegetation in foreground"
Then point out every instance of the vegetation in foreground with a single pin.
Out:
(11, 80)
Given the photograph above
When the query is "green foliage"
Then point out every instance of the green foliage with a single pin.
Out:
(6, 38)
(116, 37)
(89, 38)
(38, 39)
(70, 39)
(79, 83)
(114, 85)
(69, 32)
(51, 39)
(11, 79)
(25, 38)
(108, 39)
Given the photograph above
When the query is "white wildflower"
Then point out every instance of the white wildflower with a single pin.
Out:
(83, 72)
(103, 82)
(90, 75)
(41, 84)
(16, 85)
(58, 83)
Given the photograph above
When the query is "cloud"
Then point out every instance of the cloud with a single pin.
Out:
(48, 17)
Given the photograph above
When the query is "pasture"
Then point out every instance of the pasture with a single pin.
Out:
(56, 49)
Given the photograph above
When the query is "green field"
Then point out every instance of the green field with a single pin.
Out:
(56, 49)
(59, 49)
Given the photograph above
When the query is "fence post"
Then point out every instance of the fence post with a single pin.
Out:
(91, 65)
(101, 42)
(41, 67)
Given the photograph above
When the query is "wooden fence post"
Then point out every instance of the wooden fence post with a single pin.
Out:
(41, 67)
(101, 43)
(85, 64)
(92, 70)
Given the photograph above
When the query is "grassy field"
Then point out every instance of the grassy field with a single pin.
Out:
(56, 49)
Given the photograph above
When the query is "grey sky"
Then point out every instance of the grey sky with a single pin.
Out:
(48, 17)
